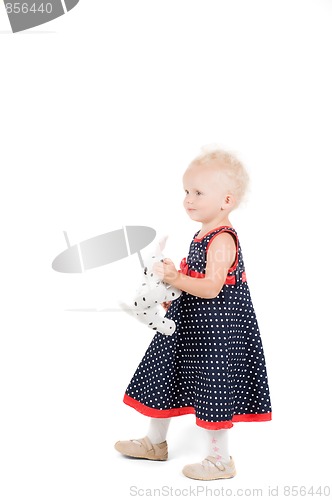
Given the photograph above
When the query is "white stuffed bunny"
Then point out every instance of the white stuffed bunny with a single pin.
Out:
(154, 291)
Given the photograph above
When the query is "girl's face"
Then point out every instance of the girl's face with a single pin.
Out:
(206, 189)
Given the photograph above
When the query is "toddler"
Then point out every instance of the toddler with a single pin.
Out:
(213, 366)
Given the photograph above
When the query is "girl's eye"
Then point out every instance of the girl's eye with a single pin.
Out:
(197, 192)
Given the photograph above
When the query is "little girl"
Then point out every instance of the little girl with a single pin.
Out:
(213, 365)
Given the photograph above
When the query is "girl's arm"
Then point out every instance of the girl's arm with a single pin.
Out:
(220, 257)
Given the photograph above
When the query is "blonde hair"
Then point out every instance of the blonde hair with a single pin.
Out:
(230, 165)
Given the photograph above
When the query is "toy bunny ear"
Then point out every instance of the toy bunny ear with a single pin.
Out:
(161, 244)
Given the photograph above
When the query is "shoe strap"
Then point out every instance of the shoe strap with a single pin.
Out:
(146, 443)
(215, 462)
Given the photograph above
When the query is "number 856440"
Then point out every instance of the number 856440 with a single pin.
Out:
(24, 8)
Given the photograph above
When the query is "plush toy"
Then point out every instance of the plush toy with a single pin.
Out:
(152, 292)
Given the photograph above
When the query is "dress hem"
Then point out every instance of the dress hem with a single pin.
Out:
(186, 410)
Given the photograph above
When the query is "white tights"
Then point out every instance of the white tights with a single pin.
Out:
(218, 440)
(158, 429)
(218, 444)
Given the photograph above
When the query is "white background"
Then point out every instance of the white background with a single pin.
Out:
(101, 111)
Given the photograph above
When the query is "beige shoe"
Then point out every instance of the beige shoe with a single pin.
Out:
(143, 448)
(210, 469)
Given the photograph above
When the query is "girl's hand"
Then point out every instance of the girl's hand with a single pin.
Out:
(166, 305)
(166, 270)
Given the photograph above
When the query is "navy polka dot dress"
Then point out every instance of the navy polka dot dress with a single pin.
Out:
(213, 365)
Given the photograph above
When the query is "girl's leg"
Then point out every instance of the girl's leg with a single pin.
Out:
(158, 428)
(218, 444)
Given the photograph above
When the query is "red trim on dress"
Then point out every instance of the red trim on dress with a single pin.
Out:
(186, 410)
(252, 417)
(234, 266)
(214, 426)
(230, 280)
(154, 412)
(212, 231)
(195, 274)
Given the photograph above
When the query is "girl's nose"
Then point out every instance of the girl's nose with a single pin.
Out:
(188, 200)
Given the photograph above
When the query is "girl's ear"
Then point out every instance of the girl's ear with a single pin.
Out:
(229, 202)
